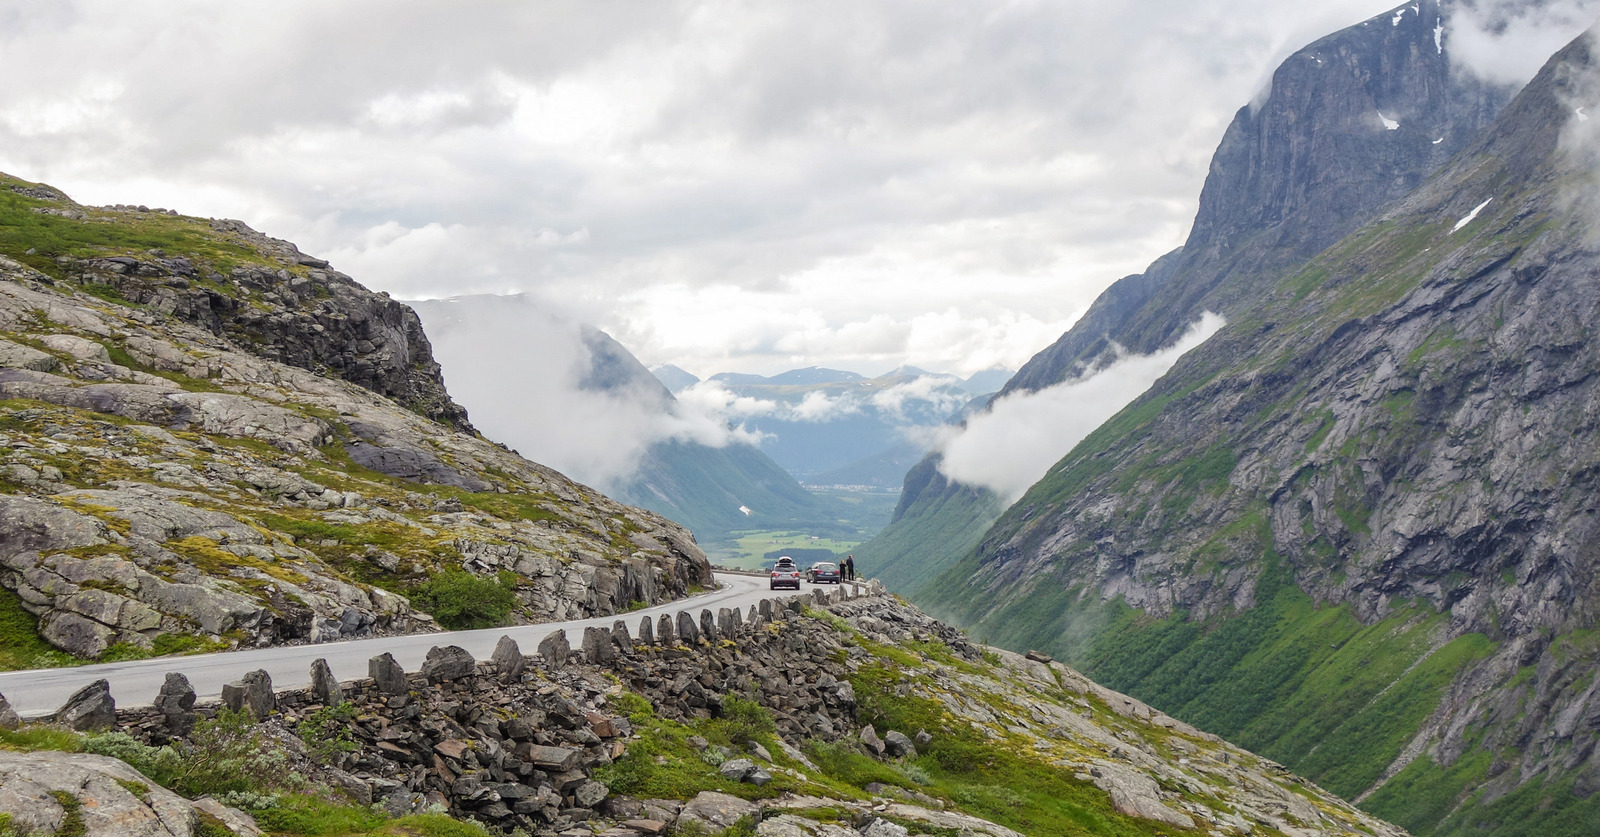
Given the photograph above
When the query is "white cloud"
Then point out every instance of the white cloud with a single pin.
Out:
(1014, 444)
(722, 185)
(929, 393)
(1507, 41)
(519, 369)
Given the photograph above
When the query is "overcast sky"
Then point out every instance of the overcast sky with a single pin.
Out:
(728, 186)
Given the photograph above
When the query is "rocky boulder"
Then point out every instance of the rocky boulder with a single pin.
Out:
(744, 770)
(95, 796)
(175, 702)
(715, 812)
(449, 663)
(252, 692)
(90, 708)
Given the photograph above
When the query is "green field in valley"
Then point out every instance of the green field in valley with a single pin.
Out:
(748, 551)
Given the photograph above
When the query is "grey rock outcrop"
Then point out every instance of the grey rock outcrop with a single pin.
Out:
(324, 686)
(554, 649)
(744, 770)
(253, 693)
(451, 662)
(176, 702)
(15, 356)
(871, 741)
(233, 819)
(113, 798)
(883, 828)
(508, 660)
(8, 716)
(899, 746)
(387, 674)
(90, 708)
(1136, 794)
(716, 812)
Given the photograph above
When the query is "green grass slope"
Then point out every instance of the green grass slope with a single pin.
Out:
(936, 523)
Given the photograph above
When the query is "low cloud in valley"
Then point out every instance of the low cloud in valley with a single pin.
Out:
(1014, 444)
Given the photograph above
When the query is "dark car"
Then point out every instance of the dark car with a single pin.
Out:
(785, 574)
(823, 572)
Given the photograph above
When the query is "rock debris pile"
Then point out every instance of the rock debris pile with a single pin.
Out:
(537, 742)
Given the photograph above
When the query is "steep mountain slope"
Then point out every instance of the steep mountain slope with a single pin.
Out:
(178, 475)
(1293, 174)
(1356, 530)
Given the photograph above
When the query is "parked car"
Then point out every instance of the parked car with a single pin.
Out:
(785, 574)
(823, 572)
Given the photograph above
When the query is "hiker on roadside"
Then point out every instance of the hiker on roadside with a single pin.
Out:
(849, 568)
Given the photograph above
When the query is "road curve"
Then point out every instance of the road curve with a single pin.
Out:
(38, 692)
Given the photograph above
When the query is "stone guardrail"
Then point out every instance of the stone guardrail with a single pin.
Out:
(174, 711)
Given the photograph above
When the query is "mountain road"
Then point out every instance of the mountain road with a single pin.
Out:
(39, 692)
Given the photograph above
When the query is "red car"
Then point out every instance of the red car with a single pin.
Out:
(785, 574)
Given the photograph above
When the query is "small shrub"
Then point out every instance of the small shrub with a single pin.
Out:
(72, 824)
(742, 721)
(249, 800)
(326, 733)
(440, 825)
(162, 764)
(848, 765)
(463, 601)
(915, 774)
(227, 754)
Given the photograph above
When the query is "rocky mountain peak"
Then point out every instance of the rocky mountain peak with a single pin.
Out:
(261, 293)
(1349, 124)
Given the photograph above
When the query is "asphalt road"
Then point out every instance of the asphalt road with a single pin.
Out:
(39, 692)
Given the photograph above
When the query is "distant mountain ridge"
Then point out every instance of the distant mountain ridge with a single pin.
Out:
(834, 427)
(501, 354)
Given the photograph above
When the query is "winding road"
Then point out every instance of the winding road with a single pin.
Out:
(39, 692)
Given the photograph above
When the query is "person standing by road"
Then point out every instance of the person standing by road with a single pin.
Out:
(849, 568)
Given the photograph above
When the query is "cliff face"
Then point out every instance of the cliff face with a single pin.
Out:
(1294, 173)
(265, 294)
(1349, 124)
(1356, 529)
(213, 440)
